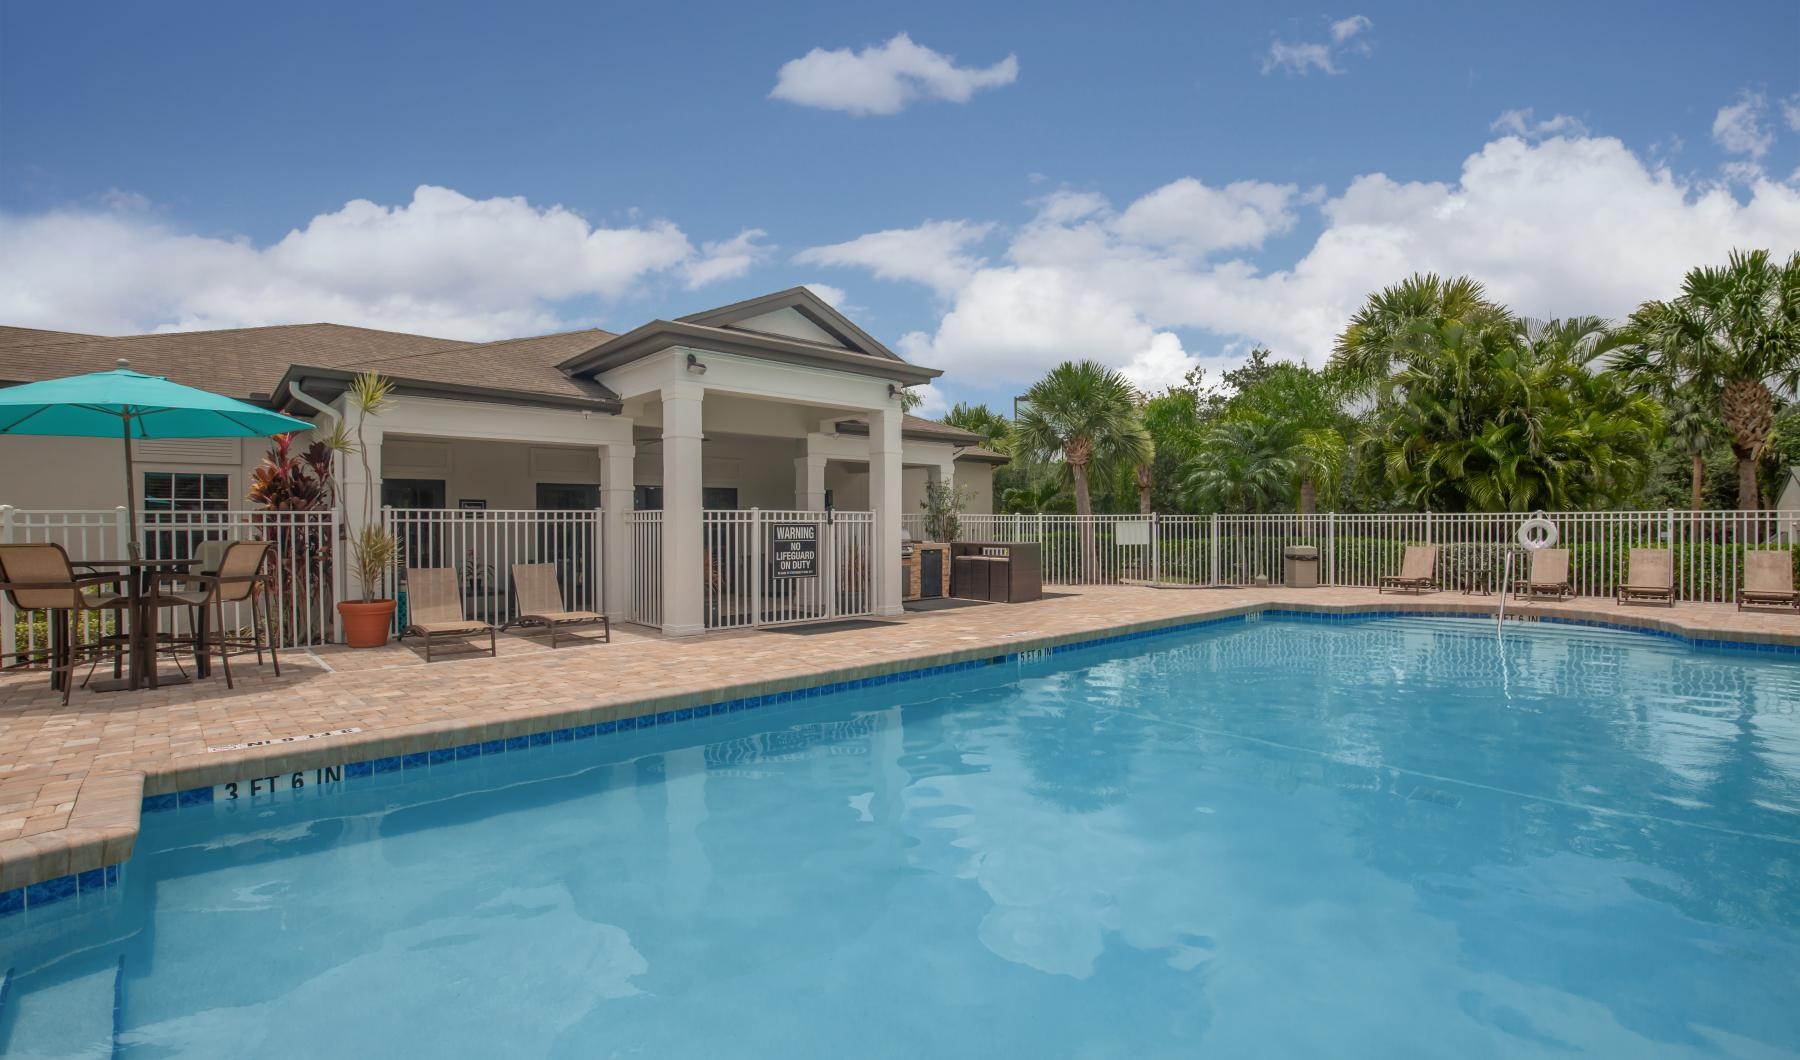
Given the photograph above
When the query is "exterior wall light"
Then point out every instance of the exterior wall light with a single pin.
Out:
(695, 366)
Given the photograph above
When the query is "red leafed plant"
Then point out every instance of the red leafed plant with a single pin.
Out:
(289, 481)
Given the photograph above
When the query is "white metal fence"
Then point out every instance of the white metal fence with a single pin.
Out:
(482, 546)
(775, 567)
(1358, 550)
(302, 608)
(645, 531)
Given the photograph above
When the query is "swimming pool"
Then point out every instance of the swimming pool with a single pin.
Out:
(1381, 837)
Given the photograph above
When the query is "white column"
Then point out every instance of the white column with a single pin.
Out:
(809, 478)
(617, 479)
(884, 499)
(684, 545)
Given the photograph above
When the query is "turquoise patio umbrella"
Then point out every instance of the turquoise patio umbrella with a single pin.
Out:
(125, 404)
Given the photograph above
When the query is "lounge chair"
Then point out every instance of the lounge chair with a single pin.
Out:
(1548, 575)
(1768, 579)
(1649, 578)
(541, 602)
(1418, 571)
(434, 609)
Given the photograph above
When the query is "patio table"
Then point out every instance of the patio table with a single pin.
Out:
(142, 656)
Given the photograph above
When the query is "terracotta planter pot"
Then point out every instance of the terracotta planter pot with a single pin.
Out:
(366, 625)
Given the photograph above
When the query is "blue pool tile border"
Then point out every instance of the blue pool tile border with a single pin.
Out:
(89, 882)
(423, 760)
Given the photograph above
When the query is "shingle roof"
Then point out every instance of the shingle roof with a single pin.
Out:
(968, 442)
(524, 365)
(249, 362)
(986, 456)
(16, 336)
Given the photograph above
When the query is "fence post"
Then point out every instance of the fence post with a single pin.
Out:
(756, 567)
(1331, 548)
(122, 531)
(1212, 558)
(8, 618)
(1155, 549)
(597, 580)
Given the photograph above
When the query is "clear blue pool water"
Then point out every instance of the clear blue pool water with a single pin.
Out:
(1388, 838)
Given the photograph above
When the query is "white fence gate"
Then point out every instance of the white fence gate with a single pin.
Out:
(645, 530)
(302, 608)
(483, 544)
(768, 567)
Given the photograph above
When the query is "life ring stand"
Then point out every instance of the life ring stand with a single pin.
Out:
(1537, 532)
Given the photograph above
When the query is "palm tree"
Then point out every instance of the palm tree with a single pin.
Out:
(1039, 495)
(1732, 332)
(1694, 428)
(1243, 465)
(994, 429)
(1507, 419)
(1173, 420)
(1084, 414)
(1381, 330)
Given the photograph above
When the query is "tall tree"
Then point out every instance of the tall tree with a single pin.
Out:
(1174, 420)
(1383, 329)
(1243, 465)
(1507, 418)
(1085, 415)
(1733, 332)
(994, 428)
(1311, 403)
(1692, 425)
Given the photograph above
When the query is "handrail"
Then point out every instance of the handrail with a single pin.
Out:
(1505, 584)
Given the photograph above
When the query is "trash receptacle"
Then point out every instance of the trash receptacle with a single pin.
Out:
(1300, 565)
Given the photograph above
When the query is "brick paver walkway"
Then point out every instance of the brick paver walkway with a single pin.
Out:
(72, 778)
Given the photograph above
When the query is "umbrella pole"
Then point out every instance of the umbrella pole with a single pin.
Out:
(130, 489)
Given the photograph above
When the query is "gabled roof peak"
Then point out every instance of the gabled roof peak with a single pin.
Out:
(816, 311)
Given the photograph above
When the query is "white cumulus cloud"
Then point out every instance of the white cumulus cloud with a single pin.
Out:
(884, 78)
(1523, 124)
(937, 253)
(727, 259)
(1564, 225)
(441, 264)
(1348, 36)
(832, 296)
(1739, 128)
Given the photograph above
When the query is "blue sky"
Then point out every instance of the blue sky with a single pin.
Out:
(1154, 185)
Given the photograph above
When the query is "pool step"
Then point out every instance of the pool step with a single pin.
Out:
(72, 1017)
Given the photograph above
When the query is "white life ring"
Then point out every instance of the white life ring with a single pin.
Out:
(1537, 532)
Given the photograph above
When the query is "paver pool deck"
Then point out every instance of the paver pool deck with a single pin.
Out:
(72, 779)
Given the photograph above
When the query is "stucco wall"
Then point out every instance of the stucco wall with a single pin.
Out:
(505, 474)
(978, 478)
(89, 473)
(760, 469)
